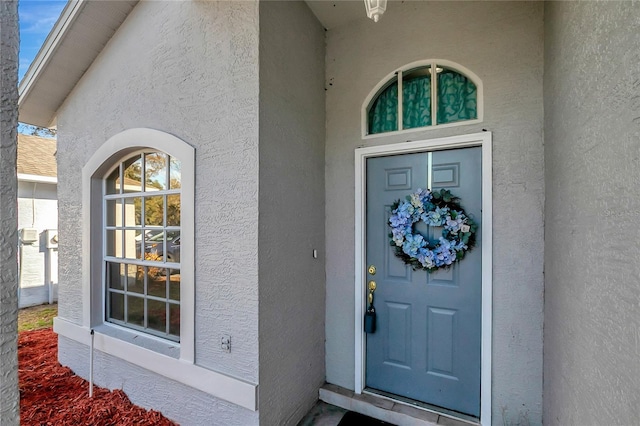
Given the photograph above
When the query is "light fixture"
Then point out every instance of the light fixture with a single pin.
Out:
(375, 8)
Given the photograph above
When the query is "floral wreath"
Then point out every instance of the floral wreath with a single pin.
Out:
(437, 208)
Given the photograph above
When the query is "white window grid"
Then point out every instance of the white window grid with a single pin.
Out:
(143, 194)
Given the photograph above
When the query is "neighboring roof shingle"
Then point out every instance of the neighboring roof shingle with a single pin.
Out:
(36, 156)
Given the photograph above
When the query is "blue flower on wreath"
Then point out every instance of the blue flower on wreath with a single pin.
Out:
(438, 208)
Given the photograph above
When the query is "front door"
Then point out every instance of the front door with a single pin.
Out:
(427, 343)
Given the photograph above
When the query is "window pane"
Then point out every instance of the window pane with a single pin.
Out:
(157, 319)
(416, 98)
(155, 171)
(133, 211)
(154, 248)
(115, 273)
(174, 319)
(112, 182)
(114, 243)
(133, 174)
(135, 310)
(116, 306)
(114, 212)
(135, 279)
(175, 173)
(154, 210)
(157, 283)
(383, 112)
(173, 210)
(457, 97)
(174, 286)
(131, 243)
(173, 247)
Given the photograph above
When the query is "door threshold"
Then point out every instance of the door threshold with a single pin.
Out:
(465, 418)
(388, 409)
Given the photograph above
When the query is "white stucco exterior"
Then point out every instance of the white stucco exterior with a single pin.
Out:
(271, 103)
(489, 39)
(193, 73)
(37, 209)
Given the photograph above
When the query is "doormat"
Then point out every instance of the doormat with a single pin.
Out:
(357, 419)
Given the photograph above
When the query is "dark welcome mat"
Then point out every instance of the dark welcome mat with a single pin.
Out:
(356, 419)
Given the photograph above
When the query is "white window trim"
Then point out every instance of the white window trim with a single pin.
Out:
(483, 140)
(398, 72)
(184, 369)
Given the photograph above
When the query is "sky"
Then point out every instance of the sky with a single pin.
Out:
(36, 20)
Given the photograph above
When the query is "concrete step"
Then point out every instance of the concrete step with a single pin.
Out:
(385, 409)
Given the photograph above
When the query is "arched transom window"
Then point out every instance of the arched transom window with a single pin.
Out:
(142, 244)
(424, 95)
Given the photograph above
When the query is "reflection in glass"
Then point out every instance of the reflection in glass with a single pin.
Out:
(116, 306)
(155, 171)
(154, 210)
(133, 211)
(157, 285)
(157, 315)
(174, 319)
(114, 212)
(115, 271)
(132, 174)
(174, 286)
(131, 246)
(173, 210)
(112, 182)
(175, 174)
(114, 242)
(135, 279)
(135, 310)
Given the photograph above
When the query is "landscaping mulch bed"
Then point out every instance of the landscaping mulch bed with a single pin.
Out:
(51, 394)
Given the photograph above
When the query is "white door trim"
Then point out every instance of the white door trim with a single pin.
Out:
(361, 154)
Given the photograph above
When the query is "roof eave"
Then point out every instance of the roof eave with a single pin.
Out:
(68, 15)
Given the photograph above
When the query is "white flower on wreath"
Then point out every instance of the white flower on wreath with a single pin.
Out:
(465, 228)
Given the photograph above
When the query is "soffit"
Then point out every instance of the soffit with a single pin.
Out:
(335, 13)
(77, 38)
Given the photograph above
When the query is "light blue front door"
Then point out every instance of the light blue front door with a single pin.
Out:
(427, 343)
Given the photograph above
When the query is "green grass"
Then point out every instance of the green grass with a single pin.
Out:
(36, 317)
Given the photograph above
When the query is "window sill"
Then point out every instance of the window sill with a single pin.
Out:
(216, 384)
(149, 342)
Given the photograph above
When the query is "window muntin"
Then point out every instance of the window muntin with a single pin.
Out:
(142, 210)
(427, 99)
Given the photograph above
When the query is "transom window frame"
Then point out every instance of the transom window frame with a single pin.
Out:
(433, 63)
(115, 150)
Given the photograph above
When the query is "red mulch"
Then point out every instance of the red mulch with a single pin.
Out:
(51, 394)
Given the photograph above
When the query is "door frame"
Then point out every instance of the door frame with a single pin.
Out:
(483, 140)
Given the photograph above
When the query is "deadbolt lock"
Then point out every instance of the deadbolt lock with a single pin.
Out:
(372, 270)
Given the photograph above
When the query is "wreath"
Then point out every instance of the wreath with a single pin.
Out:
(435, 208)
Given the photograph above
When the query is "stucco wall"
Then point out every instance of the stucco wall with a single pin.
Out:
(503, 44)
(592, 146)
(189, 69)
(37, 208)
(292, 285)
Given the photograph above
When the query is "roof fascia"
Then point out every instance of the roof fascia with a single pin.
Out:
(68, 15)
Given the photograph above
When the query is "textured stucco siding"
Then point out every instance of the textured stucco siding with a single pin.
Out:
(502, 43)
(189, 69)
(37, 208)
(592, 162)
(186, 406)
(292, 282)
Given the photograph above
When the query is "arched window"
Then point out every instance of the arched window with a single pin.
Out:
(138, 223)
(142, 207)
(425, 94)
